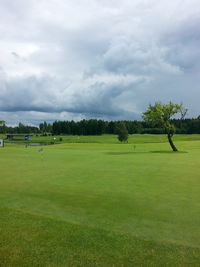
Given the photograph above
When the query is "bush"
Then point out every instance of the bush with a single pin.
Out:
(122, 132)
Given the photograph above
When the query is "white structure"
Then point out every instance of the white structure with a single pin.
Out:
(1, 142)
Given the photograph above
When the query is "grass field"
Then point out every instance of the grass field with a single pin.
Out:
(101, 203)
(108, 139)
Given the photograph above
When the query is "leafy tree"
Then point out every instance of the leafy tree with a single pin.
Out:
(122, 132)
(45, 127)
(2, 123)
(22, 128)
(2, 126)
(161, 115)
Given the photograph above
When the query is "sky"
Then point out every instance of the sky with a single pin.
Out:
(82, 59)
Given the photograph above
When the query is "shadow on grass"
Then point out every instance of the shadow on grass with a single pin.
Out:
(146, 152)
(126, 153)
(168, 152)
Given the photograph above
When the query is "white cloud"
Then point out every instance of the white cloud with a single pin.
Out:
(91, 58)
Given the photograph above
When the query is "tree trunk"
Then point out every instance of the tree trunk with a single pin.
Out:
(171, 142)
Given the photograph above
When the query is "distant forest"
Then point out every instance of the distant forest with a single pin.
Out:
(99, 127)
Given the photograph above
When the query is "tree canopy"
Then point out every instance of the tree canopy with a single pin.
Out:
(122, 132)
(161, 115)
(2, 122)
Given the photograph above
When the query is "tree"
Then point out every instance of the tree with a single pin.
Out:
(161, 115)
(2, 123)
(2, 126)
(122, 132)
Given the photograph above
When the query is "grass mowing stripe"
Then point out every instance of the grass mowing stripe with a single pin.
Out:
(49, 242)
(101, 196)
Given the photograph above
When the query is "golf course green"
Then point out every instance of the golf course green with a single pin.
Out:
(92, 201)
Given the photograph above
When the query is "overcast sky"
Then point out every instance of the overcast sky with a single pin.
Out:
(64, 59)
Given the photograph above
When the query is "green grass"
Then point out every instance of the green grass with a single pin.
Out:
(101, 203)
(109, 139)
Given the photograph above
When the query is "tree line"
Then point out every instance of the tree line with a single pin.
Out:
(99, 127)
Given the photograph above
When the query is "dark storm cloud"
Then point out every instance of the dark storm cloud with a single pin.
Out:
(95, 99)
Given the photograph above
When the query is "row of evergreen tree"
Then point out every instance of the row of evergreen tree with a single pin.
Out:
(98, 127)
(20, 129)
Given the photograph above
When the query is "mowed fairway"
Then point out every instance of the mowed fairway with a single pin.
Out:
(90, 204)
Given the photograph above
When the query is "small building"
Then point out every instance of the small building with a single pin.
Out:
(18, 136)
(1, 142)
